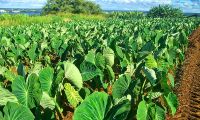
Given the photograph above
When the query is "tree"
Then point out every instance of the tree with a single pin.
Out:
(163, 11)
(71, 6)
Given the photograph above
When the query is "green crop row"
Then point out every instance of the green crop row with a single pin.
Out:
(97, 70)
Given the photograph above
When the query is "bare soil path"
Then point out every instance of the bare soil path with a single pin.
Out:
(188, 90)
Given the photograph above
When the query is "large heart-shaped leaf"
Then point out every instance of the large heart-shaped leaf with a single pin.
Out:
(47, 101)
(119, 111)
(94, 107)
(142, 111)
(111, 73)
(89, 71)
(121, 86)
(100, 61)
(73, 74)
(160, 113)
(150, 75)
(31, 52)
(14, 111)
(72, 95)
(172, 102)
(109, 55)
(90, 57)
(150, 62)
(29, 95)
(6, 96)
(46, 78)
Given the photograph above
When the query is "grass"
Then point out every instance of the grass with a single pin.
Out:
(19, 19)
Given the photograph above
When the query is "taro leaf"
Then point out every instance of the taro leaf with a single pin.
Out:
(90, 57)
(172, 102)
(156, 112)
(47, 101)
(46, 78)
(20, 70)
(89, 71)
(154, 95)
(111, 73)
(142, 111)
(121, 86)
(2, 70)
(36, 68)
(130, 69)
(1, 116)
(73, 74)
(31, 52)
(151, 75)
(59, 77)
(171, 78)
(139, 41)
(9, 75)
(72, 95)
(6, 96)
(109, 55)
(148, 47)
(28, 95)
(119, 52)
(100, 61)
(14, 111)
(119, 111)
(159, 114)
(183, 38)
(150, 62)
(94, 107)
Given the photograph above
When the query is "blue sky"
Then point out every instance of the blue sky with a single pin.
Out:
(185, 5)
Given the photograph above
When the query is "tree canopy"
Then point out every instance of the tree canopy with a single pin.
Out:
(71, 6)
(163, 11)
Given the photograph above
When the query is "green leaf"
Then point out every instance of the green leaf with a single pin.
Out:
(171, 78)
(28, 95)
(94, 107)
(89, 71)
(36, 68)
(151, 75)
(90, 57)
(31, 52)
(72, 95)
(46, 78)
(159, 114)
(20, 70)
(73, 74)
(14, 111)
(119, 52)
(150, 62)
(172, 102)
(47, 101)
(100, 61)
(111, 73)
(142, 111)
(10, 76)
(139, 41)
(121, 86)
(119, 111)
(154, 95)
(6, 96)
(109, 55)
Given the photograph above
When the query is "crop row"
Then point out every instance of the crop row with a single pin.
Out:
(112, 69)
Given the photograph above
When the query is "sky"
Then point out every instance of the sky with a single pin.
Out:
(142, 5)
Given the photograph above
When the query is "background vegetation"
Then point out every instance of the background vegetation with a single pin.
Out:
(71, 6)
(163, 11)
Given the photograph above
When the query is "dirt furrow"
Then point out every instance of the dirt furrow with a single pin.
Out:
(188, 91)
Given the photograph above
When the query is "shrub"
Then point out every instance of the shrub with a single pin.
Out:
(163, 11)
(71, 6)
